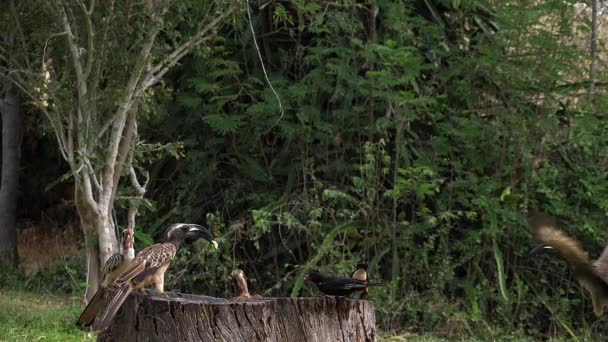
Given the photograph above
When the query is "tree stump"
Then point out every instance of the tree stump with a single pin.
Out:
(186, 317)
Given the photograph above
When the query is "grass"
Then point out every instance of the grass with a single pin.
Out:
(38, 316)
(26, 316)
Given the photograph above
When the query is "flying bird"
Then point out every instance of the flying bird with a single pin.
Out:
(149, 268)
(593, 276)
(114, 266)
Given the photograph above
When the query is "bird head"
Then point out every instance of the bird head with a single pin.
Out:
(360, 273)
(128, 236)
(237, 273)
(313, 276)
(182, 231)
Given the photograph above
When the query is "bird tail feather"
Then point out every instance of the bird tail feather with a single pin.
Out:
(103, 322)
(376, 284)
(87, 317)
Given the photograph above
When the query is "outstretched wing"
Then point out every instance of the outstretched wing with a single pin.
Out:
(547, 233)
(592, 276)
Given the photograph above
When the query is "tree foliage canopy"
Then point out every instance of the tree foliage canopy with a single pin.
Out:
(416, 136)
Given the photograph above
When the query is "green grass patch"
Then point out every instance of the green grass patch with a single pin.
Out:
(26, 316)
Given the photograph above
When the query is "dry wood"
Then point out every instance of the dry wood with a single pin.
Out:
(185, 317)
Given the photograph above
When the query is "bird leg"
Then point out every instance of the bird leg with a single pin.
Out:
(159, 284)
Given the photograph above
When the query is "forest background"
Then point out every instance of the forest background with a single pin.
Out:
(414, 136)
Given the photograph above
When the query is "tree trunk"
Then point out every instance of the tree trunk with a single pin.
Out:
(94, 222)
(9, 185)
(185, 317)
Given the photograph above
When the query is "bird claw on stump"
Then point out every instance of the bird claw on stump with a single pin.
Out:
(186, 317)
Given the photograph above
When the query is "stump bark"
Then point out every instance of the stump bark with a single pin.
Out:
(185, 317)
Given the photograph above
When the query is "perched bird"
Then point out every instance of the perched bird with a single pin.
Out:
(334, 286)
(114, 266)
(149, 267)
(360, 273)
(240, 283)
(593, 276)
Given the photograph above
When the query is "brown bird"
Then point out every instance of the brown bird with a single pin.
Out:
(361, 274)
(149, 267)
(240, 283)
(114, 266)
(593, 276)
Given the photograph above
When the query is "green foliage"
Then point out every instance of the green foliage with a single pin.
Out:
(65, 275)
(416, 135)
(38, 316)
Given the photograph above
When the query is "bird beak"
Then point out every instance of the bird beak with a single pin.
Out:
(540, 248)
(306, 277)
(200, 231)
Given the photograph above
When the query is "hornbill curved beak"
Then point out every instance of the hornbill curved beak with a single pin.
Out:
(196, 231)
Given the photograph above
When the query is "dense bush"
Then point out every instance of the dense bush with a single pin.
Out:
(416, 135)
(412, 135)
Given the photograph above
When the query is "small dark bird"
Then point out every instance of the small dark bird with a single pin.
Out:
(334, 286)
(149, 267)
(114, 266)
(593, 276)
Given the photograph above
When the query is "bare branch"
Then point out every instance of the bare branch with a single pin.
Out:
(124, 107)
(73, 48)
(157, 71)
(105, 127)
(56, 128)
(92, 173)
(593, 49)
(46, 44)
(88, 191)
(75, 51)
(90, 36)
(91, 7)
(101, 57)
(140, 191)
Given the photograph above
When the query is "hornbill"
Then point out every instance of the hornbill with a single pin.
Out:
(114, 266)
(149, 267)
(593, 276)
(334, 286)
